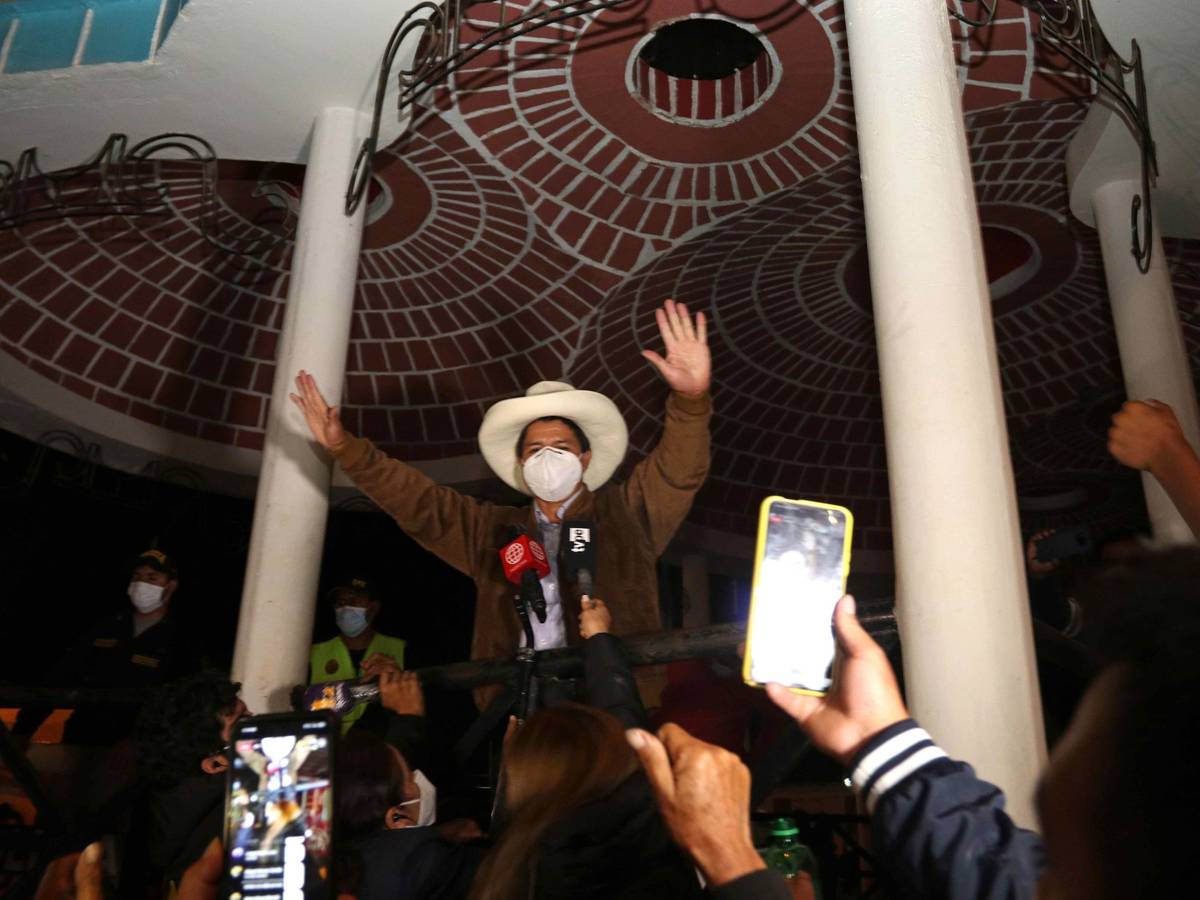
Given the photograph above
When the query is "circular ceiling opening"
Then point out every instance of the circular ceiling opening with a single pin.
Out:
(701, 49)
(703, 70)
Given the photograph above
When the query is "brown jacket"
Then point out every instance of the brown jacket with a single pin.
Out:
(634, 523)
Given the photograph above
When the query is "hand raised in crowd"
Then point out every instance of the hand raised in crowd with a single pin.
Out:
(400, 692)
(595, 618)
(688, 366)
(863, 700)
(324, 421)
(1039, 568)
(1146, 435)
(703, 793)
(76, 876)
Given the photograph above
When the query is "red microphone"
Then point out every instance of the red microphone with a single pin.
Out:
(525, 564)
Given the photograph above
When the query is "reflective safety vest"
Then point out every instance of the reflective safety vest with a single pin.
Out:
(330, 661)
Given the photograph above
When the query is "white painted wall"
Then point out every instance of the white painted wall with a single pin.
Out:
(249, 76)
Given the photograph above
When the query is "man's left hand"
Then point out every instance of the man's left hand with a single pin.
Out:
(688, 366)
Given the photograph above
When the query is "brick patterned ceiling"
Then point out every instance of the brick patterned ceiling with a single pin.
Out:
(527, 225)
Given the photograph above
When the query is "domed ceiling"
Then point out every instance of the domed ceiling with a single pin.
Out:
(539, 210)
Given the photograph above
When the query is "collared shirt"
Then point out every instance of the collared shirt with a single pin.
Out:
(553, 632)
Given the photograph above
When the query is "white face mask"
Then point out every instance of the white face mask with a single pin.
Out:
(428, 813)
(552, 474)
(146, 597)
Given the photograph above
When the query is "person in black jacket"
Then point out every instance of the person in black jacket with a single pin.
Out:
(139, 647)
(181, 738)
(387, 854)
(1110, 800)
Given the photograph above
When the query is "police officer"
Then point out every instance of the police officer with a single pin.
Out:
(359, 650)
(135, 648)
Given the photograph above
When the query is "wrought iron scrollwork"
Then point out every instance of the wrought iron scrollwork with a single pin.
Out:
(120, 180)
(986, 15)
(440, 54)
(1070, 28)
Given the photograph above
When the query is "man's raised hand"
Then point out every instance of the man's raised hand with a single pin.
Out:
(324, 421)
(688, 365)
(863, 700)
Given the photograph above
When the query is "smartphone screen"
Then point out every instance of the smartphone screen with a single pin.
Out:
(279, 808)
(799, 575)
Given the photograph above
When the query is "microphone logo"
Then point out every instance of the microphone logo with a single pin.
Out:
(538, 553)
(579, 538)
(513, 553)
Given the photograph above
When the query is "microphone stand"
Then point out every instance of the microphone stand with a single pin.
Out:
(526, 659)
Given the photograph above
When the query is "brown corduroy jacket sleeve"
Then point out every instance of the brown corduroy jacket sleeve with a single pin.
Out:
(661, 489)
(438, 518)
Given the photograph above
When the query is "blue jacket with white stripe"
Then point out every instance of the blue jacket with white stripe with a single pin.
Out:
(940, 831)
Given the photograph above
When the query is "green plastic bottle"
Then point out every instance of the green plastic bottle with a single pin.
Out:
(788, 856)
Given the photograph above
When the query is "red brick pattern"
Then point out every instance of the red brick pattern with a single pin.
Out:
(525, 228)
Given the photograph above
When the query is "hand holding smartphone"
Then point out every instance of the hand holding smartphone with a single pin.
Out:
(800, 569)
(279, 808)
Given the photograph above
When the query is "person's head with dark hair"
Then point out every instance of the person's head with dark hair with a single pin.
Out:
(376, 787)
(581, 821)
(185, 724)
(526, 447)
(1116, 798)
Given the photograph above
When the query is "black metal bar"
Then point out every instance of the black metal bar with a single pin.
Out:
(567, 662)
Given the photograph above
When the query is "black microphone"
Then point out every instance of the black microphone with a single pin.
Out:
(579, 554)
(525, 564)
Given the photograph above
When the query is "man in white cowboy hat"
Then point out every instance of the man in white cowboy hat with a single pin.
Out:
(560, 446)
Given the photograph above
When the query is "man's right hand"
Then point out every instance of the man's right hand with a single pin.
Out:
(324, 421)
(863, 700)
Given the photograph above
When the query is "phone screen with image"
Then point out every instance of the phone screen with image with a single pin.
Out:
(799, 574)
(279, 808)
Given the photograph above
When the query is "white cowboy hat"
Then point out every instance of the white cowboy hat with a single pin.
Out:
(598, 416)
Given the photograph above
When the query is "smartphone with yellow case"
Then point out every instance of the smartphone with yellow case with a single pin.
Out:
(800, 569)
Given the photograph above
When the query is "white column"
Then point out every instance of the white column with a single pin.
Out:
(961, 597)
(696, 609)
(290, 509)
(1149, 338)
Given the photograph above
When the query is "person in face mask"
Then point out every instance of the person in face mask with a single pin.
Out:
(560, 446)
(385, 813)
(136, 647)
(359, 650)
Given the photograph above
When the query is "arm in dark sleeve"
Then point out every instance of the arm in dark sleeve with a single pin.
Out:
(763, 884)
(662, 486)
(942, 831)
(440, 519)
(609, 681)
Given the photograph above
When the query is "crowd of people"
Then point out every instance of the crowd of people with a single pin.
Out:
(592, 799)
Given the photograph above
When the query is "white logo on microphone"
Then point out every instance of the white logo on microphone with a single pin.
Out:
(513, 553)
(579, 538)
(538, 553)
